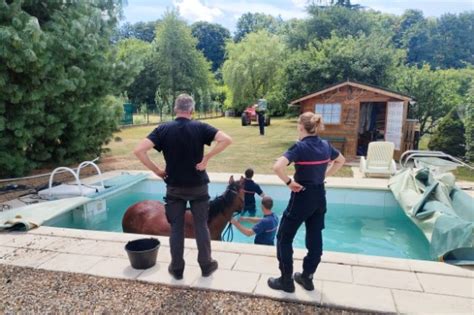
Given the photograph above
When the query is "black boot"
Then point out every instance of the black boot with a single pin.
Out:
(305, 281)
(283, 283)
(177, 274)
(208, 269)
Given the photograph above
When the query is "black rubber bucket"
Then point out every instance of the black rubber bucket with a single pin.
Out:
(142, 252)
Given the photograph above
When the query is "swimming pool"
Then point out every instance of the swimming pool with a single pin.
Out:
(366, 222)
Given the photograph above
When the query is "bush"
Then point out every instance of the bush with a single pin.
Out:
(57, 70)
(469, 125)
(449, 136)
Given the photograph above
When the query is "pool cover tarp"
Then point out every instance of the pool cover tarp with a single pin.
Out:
(32, 216)
(441, 210)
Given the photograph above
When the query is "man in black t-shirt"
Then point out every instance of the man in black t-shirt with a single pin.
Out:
(182, 143)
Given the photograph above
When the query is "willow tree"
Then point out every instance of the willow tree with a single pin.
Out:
(253, 67)
(180, 66)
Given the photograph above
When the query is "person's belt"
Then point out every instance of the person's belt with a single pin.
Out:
(316, 162)
(313, 185)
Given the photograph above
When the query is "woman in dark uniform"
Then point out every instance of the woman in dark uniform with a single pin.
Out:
(314, 159)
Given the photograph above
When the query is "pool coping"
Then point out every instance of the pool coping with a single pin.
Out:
(264, 179)
(348, 281)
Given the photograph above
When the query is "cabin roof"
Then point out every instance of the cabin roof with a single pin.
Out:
(364, 86)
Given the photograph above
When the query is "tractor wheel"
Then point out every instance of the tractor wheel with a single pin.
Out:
(244, 120)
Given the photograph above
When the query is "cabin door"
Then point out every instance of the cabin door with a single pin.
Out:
(372, 122)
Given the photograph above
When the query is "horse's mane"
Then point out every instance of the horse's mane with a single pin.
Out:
(218, 204)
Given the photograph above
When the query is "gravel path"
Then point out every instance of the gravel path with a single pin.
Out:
(28, 290)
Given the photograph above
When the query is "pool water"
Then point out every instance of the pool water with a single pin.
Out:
(357, 221)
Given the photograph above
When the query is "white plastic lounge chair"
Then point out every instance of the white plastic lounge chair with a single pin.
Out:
(379, 159)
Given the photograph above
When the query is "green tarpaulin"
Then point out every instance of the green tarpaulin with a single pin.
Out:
(441, 210)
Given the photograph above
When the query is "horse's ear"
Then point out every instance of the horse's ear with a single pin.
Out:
(231, 179)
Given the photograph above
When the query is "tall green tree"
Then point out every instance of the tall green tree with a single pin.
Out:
(57, 70)
(211, 41)
(144, 31)
(420, 45)
(345, 3)
(252, 66)
(409, 20)
(180, 66)
(134, 52)
(445, 42)
(138, 54)
(338, 59)
(143, 88)
(340, 20)
(454, 41)
(435, 94)
(254, 22)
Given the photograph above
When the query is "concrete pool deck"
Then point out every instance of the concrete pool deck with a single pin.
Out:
(349, 281)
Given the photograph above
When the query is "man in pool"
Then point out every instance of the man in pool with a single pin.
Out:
(182, 142)
(251, 188)
(265, 228)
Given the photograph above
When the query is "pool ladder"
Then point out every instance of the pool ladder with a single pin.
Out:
(77, 176)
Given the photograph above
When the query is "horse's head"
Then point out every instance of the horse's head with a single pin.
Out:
(237, 189)
(232, 200)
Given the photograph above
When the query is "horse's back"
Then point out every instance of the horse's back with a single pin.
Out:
(146, 217)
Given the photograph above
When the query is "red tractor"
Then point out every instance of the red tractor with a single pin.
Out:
(250, 114)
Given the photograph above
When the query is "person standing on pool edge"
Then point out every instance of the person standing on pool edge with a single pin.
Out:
(314, 159)
(182, 142)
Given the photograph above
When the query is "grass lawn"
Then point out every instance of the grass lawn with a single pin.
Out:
(463, 173)
(249, 149)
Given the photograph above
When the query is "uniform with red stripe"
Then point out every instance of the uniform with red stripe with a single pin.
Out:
(311, 156)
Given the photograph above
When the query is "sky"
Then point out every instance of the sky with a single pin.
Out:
(227, 12)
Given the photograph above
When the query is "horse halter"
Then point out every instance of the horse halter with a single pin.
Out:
(236, 192)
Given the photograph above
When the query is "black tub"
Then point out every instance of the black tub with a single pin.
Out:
(142, 252)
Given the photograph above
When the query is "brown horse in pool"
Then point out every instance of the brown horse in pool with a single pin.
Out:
(148, 217)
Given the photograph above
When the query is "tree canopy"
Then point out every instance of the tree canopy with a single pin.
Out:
(254, 22)
(338, 59)
(144, 31)
(211, 41)
(252, 66)
(180, 67)
(435, 93)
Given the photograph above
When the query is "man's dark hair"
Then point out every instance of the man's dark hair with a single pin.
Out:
(249, 173)
(267, 202)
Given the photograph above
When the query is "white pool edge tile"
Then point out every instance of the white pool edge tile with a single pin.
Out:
(250, 250)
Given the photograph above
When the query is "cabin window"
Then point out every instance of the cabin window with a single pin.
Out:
(331, 113)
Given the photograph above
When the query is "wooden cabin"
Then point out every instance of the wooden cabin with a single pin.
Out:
(356, 114)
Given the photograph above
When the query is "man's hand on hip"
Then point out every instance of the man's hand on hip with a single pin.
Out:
(161, 173)
(203, 164)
